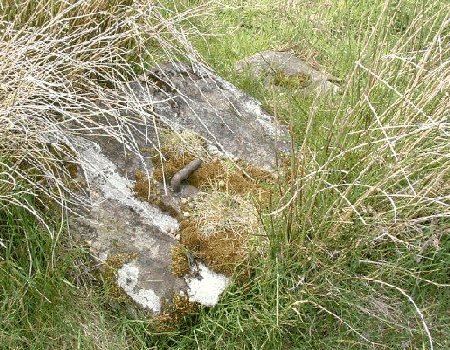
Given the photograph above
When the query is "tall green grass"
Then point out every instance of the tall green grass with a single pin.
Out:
(359, 240)
(44, 303)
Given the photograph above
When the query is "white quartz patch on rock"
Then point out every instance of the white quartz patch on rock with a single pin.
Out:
(127, 279)
(207, 287)
(102, 175)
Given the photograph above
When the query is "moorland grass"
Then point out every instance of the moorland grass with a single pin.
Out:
(358, 228)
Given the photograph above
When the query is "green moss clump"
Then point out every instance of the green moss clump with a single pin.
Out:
(291, 82)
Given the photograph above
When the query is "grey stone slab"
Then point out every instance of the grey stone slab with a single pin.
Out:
(117, 222)
(267, 64)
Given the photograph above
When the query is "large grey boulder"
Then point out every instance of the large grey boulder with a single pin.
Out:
(118, 224)
(278, 67)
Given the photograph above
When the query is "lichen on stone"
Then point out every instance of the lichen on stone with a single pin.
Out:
(109, 271)
(206, 288)
(127, 279)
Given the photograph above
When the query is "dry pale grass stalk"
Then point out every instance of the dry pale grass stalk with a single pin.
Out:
(398, 132)
(221, 211)
(64, 71)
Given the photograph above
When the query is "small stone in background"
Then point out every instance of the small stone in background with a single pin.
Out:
(283, 69)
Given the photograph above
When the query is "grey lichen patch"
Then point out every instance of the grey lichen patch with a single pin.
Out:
(128, 278)
(109, 272)
(103, 177)
(224, 116)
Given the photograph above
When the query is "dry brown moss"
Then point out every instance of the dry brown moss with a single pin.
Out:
(256, 173)
(222, 251)
(174, 313)
(207, 173)
(180, 261)
(146, 189)
(178, 149)
(220, 223)
(171, 165)
(72, 168)
(238, 178)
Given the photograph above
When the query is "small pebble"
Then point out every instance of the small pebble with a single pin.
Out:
(212, 149)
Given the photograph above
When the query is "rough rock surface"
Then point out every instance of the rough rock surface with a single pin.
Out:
(267, 64)
(119, 224)
(233, 123)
